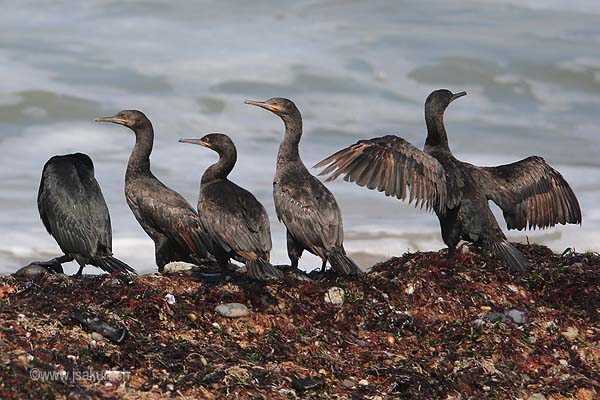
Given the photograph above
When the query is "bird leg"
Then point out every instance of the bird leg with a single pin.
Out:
(451, 251)
(324, 266)
(294, 251)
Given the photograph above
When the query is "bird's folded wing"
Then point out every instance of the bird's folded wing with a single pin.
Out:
(392, 165)
(310, 214)
(532, 194)
(232, 227)
(65, 216)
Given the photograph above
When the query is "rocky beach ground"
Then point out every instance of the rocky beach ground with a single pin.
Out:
(416, 327)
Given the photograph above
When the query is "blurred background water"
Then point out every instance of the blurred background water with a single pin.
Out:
(355, 69)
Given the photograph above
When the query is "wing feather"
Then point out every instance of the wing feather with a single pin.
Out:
(391, 165)
(532, 194)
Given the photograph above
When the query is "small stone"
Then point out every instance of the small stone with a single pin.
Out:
(335, 296)
(565, 378)
(31, 269)
(410, 289)
(348, 383)
(485, 308)
(495, 317)
(363, 382)
(232, 310)
(192, 316)
(571, 333)
(517, 316)
(465, 250)
(486, 388)
(478, 323)
(116, 282)
(304, 384)
(97, 337)
(170, 299)
(563, 362)
(391, 340)
(170, 387)
(513, 288)
(536, 396)
(177, 267)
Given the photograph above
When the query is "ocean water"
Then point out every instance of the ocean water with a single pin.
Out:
(355, 69)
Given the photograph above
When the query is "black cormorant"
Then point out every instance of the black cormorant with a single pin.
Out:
(530, 193)
(164, 214)
(306, 207)
(235, 224)
(74, 212)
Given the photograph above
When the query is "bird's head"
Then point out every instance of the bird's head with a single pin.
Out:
(216, 141)
(132, 119)
(438, 100)
(277, 105)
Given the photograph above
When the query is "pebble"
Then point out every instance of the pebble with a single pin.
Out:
(410, 289)
(303, 384)
(31, 269)
(536, 396)
(176, 267)
(97, 337)
(563, 362)
(517, 316)
(232, 310)
(192, 316)
(571, 333)
(348, 383)
(335, 296)
(363, 382)
(486, 388)
(170, 299)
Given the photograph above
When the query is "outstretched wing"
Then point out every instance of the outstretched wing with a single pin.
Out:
(532, 194)
(392, 165)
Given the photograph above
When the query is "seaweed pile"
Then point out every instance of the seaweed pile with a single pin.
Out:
(418, 326)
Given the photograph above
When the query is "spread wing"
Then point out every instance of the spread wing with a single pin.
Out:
(72, 207)
(310, 213)
(234, 220)
(532, 194)
(392, 165)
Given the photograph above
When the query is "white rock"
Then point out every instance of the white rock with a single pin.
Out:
(170, 299)
(571, 333)
(335, 295)
(178, 266)
(232, 310)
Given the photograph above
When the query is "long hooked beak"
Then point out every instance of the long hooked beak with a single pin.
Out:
(113, 119)
(457, 95)
(201, 142)
(262, 104)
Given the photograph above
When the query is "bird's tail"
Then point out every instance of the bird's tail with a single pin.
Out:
(342, 264)
(262, 270)
(508, 253)
(112, 265)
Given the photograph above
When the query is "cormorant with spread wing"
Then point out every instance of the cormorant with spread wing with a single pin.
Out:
(74, 212)
(306, 207)
(530, 193)
(164, 214)
(234, 222)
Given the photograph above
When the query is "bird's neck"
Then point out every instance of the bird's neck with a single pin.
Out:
(139, 160)
(288, 149)
(436, 132)
(220, 169)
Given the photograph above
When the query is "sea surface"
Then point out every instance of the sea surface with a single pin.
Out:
(356, 69)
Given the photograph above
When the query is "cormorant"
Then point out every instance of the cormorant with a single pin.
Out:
(164, 214)
(74, 212)
(530, 193)
(234, 222)
(306, 207)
